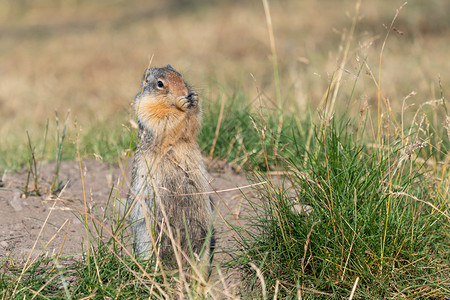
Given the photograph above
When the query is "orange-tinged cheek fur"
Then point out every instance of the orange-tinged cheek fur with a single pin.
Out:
(155, 112)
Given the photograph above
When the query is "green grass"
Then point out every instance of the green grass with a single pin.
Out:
(239, 140)
(107, 141)
(376, 216)
(106, 272)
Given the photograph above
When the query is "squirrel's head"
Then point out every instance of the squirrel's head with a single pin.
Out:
(165, 97)
(163, 85)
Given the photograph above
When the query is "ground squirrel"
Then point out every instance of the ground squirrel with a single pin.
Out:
(169, 178)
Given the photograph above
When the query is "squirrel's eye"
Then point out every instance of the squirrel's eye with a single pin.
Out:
(160, 84)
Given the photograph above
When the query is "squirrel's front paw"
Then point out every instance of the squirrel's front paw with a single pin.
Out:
(187, 103)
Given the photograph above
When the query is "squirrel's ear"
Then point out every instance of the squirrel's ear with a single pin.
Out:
(170, 67)
(144, 77)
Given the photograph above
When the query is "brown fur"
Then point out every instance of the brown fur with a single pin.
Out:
(168, 172)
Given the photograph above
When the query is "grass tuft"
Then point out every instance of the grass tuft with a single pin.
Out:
(374, 216)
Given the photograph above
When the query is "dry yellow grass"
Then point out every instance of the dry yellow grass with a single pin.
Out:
(88, 56)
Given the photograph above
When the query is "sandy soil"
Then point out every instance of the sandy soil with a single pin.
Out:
(48, 224)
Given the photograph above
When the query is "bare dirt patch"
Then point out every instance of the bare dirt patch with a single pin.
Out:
(48, 225)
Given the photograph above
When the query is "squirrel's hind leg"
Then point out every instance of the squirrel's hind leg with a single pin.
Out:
(142, 243)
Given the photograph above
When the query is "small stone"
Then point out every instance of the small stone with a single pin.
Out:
(302, 210)
(18, 226)
(4, 244)
(15, 202)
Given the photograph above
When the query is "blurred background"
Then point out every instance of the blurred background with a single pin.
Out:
(88, 56)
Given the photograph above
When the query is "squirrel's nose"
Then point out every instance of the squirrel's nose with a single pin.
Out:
(190, 95)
